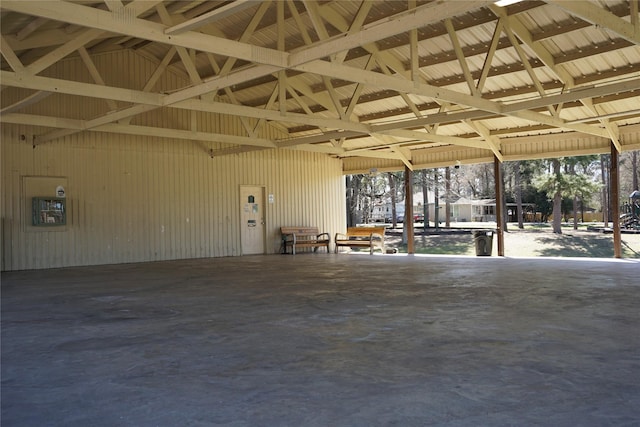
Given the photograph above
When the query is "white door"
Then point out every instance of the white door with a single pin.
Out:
(252, 219)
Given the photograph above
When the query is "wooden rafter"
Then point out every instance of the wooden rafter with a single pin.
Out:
(24, 103)
(212, 16)
(107, 21)
(95, 74)
(342, 72)
(273, 56)
(43, 83)
(601, 17)
(10, 56)
(461, 57)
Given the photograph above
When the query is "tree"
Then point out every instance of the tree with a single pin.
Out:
(396, 193)
(447, 196)
(423, 178)
(518, 191)
(556, 191)
(634, 170)
(629, 172)
(604, 168)
(552, 183)
(353, 195)
(565, 183)
(363, 190)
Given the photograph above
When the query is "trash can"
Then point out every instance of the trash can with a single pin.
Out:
(483, 240)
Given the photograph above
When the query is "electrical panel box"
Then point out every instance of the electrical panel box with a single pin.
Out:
(49, 211)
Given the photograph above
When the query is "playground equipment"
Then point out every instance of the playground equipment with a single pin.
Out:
(630, 212)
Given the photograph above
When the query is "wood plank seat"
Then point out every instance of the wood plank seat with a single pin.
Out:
(303, 237)
(361, 237)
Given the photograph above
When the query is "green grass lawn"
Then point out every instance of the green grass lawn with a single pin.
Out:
(534, 240)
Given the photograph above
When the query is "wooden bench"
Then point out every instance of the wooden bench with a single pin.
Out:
(303, 237)
(361, 237)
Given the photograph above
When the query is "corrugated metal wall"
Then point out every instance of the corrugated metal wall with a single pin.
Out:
(133, 199)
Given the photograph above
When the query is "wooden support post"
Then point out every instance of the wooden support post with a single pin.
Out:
(408, 209)
(614, 179)
(436, 204)
(497, 173)
(447, 192)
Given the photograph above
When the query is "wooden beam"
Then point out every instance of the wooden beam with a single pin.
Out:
(325, 149)
(87, 125)
(30, 28)
(159, 70)
(460, 55)
(537, 47)
(152, 99)
(486, 67)
(212, 16)
(298, 20)
(492, 142)
(600, 17)
(235, 110)
(113, 5)
(355, 26)
(315, 139)
(497, 173)
(230, 95)
(406, 155)
(373, 153)
(81, 89)
(53, 85)
(188, 63)
(106, 21)
(384, 28)
(156, 132)
(51, 58)
(614, 200)
(408, 209)
(197, 90)
(438, 93)
(375, 79)
(10, 56)
(95, 74)
(412, 136)
(575, 94)
(24, 103)
(357, 92)
(306, 109)
(527, 66)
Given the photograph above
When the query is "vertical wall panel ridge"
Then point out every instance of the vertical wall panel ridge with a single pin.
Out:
(171, 201)
(136, 198)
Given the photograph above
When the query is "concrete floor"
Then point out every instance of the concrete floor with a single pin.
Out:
(324, 340)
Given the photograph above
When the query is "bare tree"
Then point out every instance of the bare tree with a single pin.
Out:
(436, 196)
(557, 198)
(604, 168)
(518, 191)
(424, 180)
(447, 197)
(634, 170)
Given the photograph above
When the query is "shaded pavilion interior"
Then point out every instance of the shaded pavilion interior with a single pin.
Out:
(332, 339)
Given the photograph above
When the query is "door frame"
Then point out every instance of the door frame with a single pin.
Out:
(262, 191)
